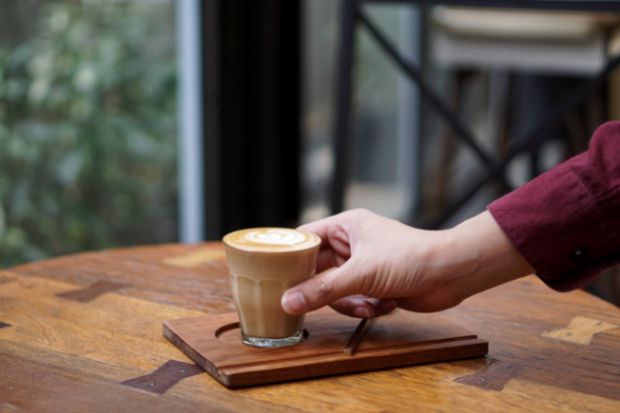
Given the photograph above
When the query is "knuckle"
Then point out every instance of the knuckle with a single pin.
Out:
(358, 214)
(361, 211)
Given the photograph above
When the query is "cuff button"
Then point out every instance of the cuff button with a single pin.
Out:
(579, 253)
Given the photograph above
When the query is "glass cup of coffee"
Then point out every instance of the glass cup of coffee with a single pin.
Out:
(263, 263)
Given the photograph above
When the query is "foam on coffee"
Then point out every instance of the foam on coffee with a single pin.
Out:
(271, 240)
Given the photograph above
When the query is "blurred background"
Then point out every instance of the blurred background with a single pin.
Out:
(88, 126)
(152, 121)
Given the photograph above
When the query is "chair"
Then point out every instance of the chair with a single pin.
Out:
(501, 43)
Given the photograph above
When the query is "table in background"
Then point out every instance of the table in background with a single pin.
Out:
(84, 333)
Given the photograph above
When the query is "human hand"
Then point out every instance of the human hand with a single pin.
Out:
(368, 265)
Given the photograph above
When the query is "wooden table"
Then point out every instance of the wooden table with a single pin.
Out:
(84, 333)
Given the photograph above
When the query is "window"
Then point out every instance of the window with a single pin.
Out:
(88, 126)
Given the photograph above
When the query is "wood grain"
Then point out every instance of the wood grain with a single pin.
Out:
(580, 330)
(35, 380)
(92, 291)
(61, 355)
(195, 258)
(398, 339)
(202, 287)
(166, 376)
(494, 377)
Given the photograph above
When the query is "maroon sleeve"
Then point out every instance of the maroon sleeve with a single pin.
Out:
(566, 222)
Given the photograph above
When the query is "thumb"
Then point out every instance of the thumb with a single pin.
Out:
(319, 290)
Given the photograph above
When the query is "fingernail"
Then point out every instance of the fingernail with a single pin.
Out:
(294, 302)
(361, 312)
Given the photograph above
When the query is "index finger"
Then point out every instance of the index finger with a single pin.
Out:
(322, 227)
(335, 248)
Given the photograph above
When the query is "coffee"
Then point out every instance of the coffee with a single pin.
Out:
(263, 263)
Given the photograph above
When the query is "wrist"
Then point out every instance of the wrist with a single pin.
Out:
(485, 256)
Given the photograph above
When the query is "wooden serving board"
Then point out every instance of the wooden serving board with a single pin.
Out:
(399, 339)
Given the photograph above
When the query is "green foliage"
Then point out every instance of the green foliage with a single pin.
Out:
(88, 130)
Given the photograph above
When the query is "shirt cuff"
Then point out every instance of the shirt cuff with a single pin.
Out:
(565, 232)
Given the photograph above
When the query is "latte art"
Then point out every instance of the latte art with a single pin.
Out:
(276, 237)
(271, 240)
